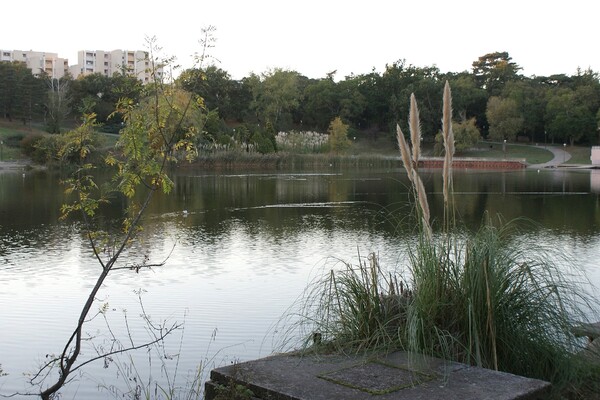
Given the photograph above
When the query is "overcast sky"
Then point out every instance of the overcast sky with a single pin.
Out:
(315, 37)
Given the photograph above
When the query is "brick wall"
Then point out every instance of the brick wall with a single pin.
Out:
(473, 163)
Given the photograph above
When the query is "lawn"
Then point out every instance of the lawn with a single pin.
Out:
(579, 155)
(533, 154)
(10, 140)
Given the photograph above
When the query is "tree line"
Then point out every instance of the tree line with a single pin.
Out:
(493, 99)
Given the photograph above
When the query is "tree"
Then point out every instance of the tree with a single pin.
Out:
(57, 106)
(157, 133)
(399, 81)
(531, 101)
(568, 119)
(23, 94)
(469, 100)
(353, 103)
(493, 70)
(99, 94)
(321, 103)
(275, 95)
(214, 85)
(338, 136)
(466, 134)
(504, 118)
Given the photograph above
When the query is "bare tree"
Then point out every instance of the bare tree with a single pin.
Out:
(57, 105)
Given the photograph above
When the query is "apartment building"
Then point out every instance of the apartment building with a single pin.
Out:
(38, 62)
(109, 62)
(106, 63)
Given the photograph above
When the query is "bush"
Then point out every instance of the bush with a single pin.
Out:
(14, 140)
(28, 143)
(46, 149)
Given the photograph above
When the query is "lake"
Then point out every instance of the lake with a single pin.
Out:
(240, 249)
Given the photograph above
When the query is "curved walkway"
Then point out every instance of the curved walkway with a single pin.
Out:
(560, 157)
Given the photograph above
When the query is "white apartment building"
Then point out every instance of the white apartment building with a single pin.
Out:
(38, 62)
(107, 63)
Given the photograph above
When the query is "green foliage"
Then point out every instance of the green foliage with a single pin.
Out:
(80, 143)
(14, 140)
(23, 95)
(569, 117)
(29, 142)
(493, 70)
(357, 308)
(531, 100)
(99, 94)
(505, 119)
(275, 95)
(264, 145)
(233, 391)
(338, 136)
(466, 136)
(45, 149)
(215, 86)
(160, 130)
(488, 301)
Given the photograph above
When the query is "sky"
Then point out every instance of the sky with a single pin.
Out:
(315, 37)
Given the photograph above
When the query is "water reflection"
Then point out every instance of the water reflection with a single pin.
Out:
(245, 249)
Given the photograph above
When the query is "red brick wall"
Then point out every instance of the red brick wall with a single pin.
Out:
(473, 163)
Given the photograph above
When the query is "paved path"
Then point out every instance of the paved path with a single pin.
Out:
(560, 157)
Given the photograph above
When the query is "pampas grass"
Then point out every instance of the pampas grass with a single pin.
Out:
(479, 297)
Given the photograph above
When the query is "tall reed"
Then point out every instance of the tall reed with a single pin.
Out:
(479, 297)
(486, 300)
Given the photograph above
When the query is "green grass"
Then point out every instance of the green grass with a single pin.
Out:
(531, 153)
(579, 155)
(10, 147)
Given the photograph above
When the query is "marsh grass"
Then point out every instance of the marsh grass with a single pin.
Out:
(356, 307)
(480, 297)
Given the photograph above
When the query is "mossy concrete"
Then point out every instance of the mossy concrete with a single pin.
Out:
(395, 376)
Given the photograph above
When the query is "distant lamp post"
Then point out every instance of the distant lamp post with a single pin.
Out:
(564, 153)
(545, 140)
(504, 148)
(1, 149)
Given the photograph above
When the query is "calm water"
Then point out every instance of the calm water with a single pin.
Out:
(238, 259)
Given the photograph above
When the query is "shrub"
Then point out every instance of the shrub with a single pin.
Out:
(28, 143)
(14, 140)
(46, 149)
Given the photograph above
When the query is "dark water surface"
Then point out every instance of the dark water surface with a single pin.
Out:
(241, 249)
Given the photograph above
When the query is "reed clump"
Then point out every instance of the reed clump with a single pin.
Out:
(479, 297)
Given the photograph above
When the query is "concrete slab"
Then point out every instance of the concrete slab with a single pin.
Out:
(396, 376)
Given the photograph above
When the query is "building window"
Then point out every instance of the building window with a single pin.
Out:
(6, 54)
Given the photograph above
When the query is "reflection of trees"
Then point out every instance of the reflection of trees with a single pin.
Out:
(285, 203)
(29, 200)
